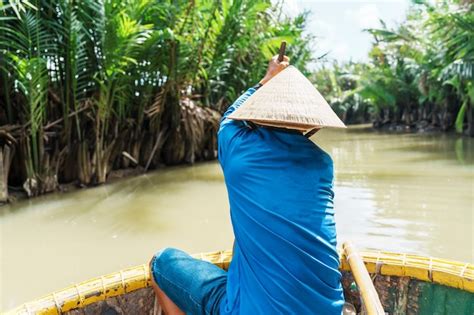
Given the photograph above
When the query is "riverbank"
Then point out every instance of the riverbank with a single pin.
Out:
(18, 193)
(122, 153)
(423, 126)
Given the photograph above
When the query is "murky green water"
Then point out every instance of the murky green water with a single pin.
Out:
(405, 193)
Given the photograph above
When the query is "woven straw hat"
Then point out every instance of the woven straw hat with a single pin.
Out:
(288, 100)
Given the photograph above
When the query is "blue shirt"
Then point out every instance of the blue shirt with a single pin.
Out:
(281, 202)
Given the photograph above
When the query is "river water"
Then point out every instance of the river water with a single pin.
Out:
(405, 193)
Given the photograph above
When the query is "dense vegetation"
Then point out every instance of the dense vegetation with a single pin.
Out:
(420, 74)
(95, 85)
(90, 86)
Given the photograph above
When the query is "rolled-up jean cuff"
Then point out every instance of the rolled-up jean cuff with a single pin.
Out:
(195, 286)
(152, 264)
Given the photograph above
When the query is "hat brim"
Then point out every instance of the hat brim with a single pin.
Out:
(283, 124)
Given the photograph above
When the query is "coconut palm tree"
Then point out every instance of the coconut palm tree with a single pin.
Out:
(93, 85)
(420, 73)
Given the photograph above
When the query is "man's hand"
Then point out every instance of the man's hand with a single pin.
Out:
(274, 67)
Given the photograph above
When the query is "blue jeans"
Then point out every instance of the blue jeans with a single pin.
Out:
(195, 286)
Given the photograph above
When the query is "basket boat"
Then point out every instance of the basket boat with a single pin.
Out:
(406, 284)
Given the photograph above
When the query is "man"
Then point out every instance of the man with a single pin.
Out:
(281, 200)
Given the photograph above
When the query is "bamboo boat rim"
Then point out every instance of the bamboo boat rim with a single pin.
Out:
(439, 271)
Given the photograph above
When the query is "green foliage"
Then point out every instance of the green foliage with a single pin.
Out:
(83, 81)
(422, 70)
(339, 85)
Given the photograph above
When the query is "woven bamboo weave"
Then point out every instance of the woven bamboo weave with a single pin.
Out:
(445, 272)
(288, 100)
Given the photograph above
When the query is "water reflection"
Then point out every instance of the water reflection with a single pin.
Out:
(407, 193)
(419, 191)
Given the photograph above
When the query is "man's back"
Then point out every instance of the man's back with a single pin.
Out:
(280, 191)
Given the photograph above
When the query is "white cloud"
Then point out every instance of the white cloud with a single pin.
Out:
(337, 24)
(327, 38)
(366, 16)
(321, 26)
(340, 50)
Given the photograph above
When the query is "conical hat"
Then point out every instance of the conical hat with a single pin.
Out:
(288, 100)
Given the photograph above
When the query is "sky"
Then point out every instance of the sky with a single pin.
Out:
(338, 25)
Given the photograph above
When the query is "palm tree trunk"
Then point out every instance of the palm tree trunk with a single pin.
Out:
(470, 120)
